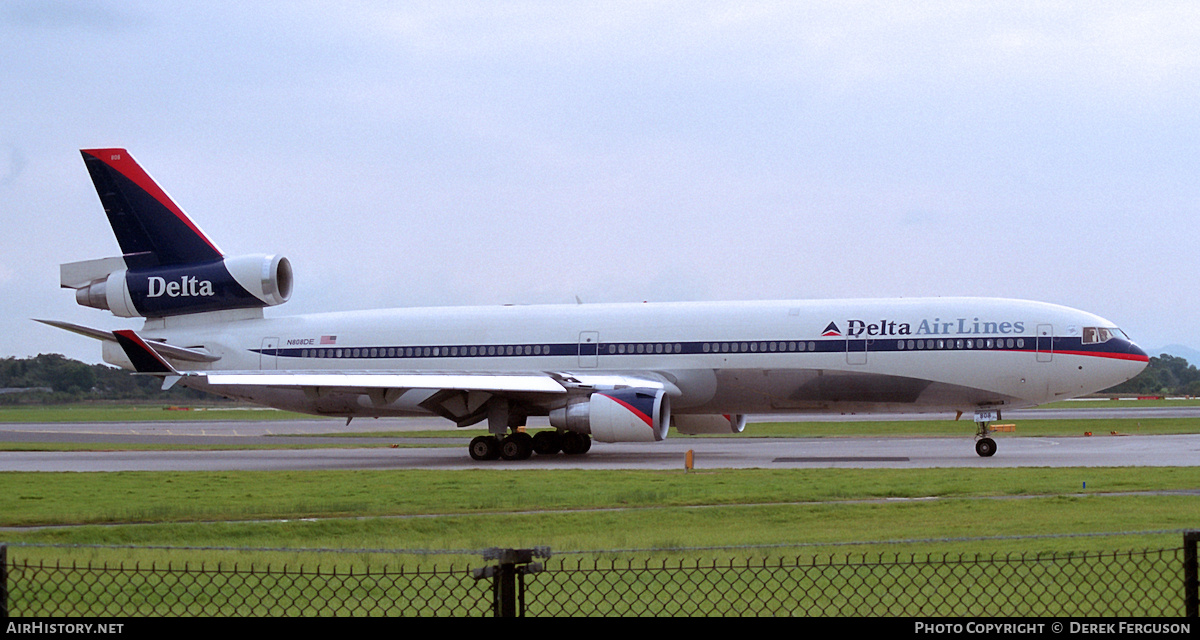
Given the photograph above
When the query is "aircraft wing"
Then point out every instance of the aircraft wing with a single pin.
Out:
(455, 395)
(460, 396)
(351, 381)
(534, 382)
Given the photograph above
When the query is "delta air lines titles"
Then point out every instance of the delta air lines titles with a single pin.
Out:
(934, 327)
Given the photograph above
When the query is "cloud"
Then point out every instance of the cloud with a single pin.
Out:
(468, 153)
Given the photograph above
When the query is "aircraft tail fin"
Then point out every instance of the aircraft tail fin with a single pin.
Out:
(151, 229)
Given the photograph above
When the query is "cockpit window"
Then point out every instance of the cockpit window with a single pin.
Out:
(1096, 335)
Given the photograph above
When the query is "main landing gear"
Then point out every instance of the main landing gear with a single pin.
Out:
(521, 445)
(518, 445)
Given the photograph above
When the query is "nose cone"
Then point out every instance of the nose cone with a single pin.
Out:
(1130, 361)
(1136, 353)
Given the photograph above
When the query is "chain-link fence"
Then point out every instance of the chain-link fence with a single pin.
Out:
(1150, 582)
(1142, 583)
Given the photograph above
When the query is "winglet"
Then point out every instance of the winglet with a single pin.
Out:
(143, 356)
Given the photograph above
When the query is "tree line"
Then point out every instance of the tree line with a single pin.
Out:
(53, 379)
(1166, 375)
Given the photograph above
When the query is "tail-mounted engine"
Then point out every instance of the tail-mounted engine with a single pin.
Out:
(168, 266)
(239, 282)
(622, 415)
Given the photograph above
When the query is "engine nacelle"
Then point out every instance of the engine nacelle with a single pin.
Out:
(696, 425)
(621, 415)
(239, 282)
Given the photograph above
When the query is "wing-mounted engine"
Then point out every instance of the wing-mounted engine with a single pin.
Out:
(620, 415)
(240, 282)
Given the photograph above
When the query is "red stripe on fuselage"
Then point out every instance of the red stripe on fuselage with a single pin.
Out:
(1094, 354)
(1105, 354)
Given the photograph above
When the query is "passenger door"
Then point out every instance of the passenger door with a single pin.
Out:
(589, 349)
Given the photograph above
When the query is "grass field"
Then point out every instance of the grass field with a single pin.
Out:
(140, 413)
(820, 510)
(354, 520)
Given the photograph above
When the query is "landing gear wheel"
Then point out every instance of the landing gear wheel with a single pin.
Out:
(518, 446)
(484, 448)
(574, 444)
(985, 447)
(546, 443)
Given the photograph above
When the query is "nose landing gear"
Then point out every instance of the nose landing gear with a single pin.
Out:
(985, 446)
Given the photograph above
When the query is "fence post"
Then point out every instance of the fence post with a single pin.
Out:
(507, 601)
(1191, 588)
(3, 582)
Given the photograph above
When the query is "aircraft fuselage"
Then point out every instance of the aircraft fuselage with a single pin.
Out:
(903, 355)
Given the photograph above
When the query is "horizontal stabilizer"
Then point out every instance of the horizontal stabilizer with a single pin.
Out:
(168, 350)
(77, 275)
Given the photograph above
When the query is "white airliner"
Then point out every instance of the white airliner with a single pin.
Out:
(612, 372)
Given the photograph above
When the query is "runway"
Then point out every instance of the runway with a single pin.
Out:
(709, 453)
(738, 452)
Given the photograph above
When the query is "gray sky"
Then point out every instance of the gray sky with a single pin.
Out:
(442, 153)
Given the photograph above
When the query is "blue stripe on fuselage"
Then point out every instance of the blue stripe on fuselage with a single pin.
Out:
(1073, 346)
